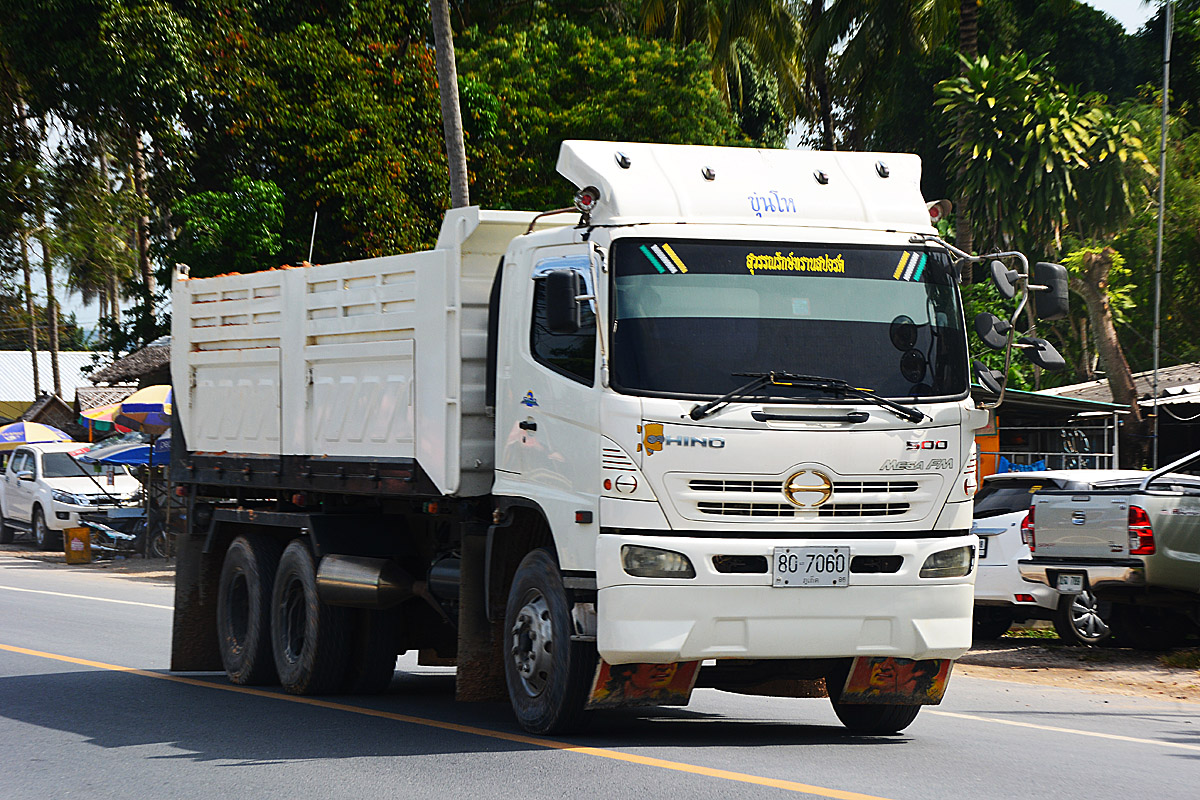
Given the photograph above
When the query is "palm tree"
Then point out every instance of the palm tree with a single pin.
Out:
(1038, 161)
(769, 30)
(456, 151)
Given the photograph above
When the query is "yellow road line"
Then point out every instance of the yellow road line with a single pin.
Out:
(533, 741)
(1055, 729)
(88, 597)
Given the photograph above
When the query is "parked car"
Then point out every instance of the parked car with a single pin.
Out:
(1134, 542)
(44, 490)
(1002, 596)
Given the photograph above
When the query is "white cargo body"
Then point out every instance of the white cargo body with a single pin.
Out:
(380, 358)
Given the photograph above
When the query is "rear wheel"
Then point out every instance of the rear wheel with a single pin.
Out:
(243, 609)
(372, 662)
(46, 539)
(547, 674)
(991, 622)
(1081, 619)
(309, 638)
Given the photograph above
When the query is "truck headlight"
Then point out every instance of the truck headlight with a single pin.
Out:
(651, 562)
(68, 498)
(949, 563)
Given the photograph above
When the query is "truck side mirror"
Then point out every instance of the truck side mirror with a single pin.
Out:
(990, 379)
(1052, 302)
(25, 476)
(563, 311)
(1005, 279)
(1042, 353)
(992, 330)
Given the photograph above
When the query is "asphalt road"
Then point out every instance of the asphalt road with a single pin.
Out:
(88, 709)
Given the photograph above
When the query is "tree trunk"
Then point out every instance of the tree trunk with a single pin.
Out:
(1093, 287)
(968, 45)
(818, 70)
(51, 297)
(456, 151)
(143, 224)
(30, 311)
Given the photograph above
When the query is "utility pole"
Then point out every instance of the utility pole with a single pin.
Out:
(1162, 194)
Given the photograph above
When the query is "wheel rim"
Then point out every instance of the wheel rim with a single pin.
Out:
(295, 620)
(39, 529)
(1086, 619)
(533, 643)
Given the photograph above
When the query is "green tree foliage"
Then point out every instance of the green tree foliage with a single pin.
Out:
(14, 332)
(339, 111)
(556, 80)
(235, 231)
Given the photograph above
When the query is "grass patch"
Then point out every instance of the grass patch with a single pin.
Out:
(1031, 633)
(1181, 659)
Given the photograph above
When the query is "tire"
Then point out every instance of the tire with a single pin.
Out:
(1081, 619)
(6, 533)
(867, 719)
(875, 719)
(548, 675)
(243, 610)
(156, 545)
(308, 637)
(372, 662)
(1146, 628)
(45, 538)
(991, 622)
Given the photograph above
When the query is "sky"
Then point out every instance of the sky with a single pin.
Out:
(1130, 13)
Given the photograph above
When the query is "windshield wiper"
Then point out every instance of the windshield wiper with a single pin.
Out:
(835, 385)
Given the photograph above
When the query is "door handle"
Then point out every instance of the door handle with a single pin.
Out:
(527, 425)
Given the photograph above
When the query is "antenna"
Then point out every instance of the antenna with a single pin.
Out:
(312, 239)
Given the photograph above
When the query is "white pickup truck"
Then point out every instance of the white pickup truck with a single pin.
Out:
(45, 489)
(1133, 541)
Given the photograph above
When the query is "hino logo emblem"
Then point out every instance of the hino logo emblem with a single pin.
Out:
(808, 488)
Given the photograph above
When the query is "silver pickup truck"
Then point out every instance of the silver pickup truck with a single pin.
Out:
(1132, 542)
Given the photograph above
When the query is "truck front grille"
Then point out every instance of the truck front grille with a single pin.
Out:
(788, 510)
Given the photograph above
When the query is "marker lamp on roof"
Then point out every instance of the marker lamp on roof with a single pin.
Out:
(586, 199)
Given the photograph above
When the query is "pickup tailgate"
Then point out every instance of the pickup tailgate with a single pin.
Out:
(1081, 524)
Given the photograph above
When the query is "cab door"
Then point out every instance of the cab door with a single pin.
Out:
(558, 417)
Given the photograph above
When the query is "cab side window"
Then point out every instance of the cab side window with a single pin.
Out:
(569, 354)
(19, 463)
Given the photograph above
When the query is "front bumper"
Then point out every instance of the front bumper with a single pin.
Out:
(717, 615)
(1103, 575)
(66, 515)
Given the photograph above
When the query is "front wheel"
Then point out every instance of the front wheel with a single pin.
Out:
(548, 675)
(1081, 619)
(45, 538)
(875, 719)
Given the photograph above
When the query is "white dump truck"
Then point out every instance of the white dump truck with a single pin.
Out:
(711, 427)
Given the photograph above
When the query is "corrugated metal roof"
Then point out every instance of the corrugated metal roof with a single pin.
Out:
(16, 374)
(1172, 381)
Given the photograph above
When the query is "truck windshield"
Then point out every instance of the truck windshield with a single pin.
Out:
(689, 314)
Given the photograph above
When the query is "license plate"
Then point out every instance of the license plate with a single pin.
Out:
(983, 541)
(811, 566)
(1070, 583)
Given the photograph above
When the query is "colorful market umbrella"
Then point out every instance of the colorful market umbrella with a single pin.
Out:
(100, 420)
(147, 410)
(131, 450)
(19, 433)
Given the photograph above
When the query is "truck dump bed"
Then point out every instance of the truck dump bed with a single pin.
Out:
(383, 358)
